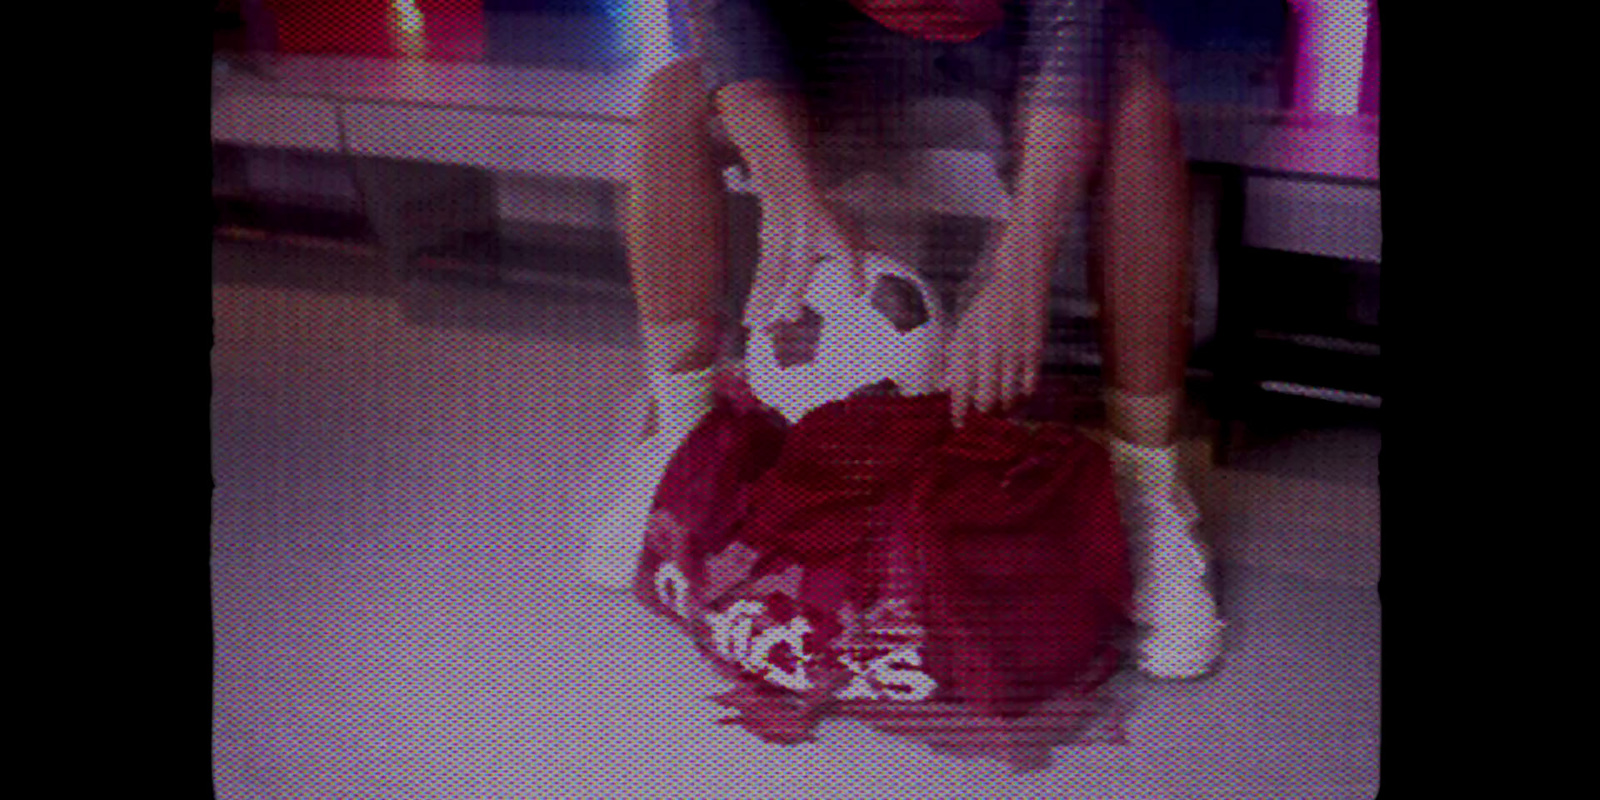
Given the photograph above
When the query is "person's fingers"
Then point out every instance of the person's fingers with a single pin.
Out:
(992, 360)
(836, 236)
(959, 379)
(777, 233)
(799, 264)
(1033, 362)
(1023, 377)
(818, 238)
(954, 359)
(985, 394)
(1027, 376)
(856, 252)
(1007, 381)
(797, 272)
(790, 305)
(952, 372)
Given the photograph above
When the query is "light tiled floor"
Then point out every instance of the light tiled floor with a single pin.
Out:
(397, 614)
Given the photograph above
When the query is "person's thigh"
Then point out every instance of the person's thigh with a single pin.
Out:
(1138, 72)
(1142, 133)
(1220, 54)
(858, 80)
(861, 85)
(874, 96)
(880, 99)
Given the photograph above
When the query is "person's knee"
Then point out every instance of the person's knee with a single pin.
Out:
(1146, 153)
(1143, 93)
(678, 92)
(677, 113)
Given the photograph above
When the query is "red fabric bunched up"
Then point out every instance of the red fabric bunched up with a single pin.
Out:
(936, 20)
(967, 587)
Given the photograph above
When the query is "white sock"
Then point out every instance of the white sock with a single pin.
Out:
(623, 495)
(677, 346)
(1159, 511)
(1150, 466)
(682, 400)
(1144, 418)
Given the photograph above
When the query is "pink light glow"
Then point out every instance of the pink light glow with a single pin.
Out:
(409, 29)
(1332, 45)
(649, 32)
(435, 30)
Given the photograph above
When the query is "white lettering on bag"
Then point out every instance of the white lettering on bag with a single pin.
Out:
(902, 678)
(896, 675)
(731, 636)
(792, 635)
(672, 588)
(860, 687)
(730, 630)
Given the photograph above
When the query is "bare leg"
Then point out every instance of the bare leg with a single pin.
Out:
(675, 222)
(1144, 256)
(1143, 280)
(674, 228)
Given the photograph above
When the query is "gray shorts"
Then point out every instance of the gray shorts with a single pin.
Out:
(878, 97)
(876, 94)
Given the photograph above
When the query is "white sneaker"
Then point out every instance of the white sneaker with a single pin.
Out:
(1182, 637)
(619, 501)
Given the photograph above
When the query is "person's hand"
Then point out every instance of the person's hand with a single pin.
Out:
(796, 235)
(992, 360)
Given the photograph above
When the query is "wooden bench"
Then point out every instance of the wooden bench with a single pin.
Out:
(1306, 192)
(393, 119)
(425, 141)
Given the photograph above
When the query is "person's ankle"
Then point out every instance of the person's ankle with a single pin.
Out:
(1144, 420)
(682, 346)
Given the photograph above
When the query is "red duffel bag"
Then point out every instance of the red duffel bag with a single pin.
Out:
(967, 587)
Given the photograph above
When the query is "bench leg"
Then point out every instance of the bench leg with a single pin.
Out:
(1232, 381)
(413, 207)
(1225, 445)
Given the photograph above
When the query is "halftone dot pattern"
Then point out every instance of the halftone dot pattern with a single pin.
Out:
(1349, 25)
(437, 30)
(396, 615)
(1334, 34)
(956, 731)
